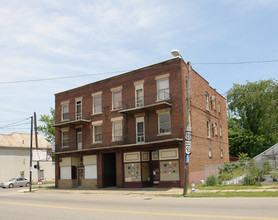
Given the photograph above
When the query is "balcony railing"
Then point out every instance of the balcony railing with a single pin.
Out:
(73, 119)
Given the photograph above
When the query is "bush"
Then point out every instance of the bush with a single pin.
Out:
(249, 180)
(212, 181)
(274, 175)
(267, 166)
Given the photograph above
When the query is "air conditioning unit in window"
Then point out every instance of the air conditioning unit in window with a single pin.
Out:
(213, 125)
(212, 98)
(81, 163)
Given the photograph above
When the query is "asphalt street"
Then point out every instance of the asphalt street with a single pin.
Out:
(43, 204)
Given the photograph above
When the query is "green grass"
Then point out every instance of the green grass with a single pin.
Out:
(233, 194)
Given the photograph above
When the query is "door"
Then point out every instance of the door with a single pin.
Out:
(109, 169)
(80, 175)
(155, 172)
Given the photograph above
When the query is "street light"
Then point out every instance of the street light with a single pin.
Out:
(187, 136)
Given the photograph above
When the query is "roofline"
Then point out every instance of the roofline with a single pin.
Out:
(122, 74)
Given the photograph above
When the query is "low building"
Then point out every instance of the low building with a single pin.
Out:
(15, 158)
(129, 130)
(270, 154)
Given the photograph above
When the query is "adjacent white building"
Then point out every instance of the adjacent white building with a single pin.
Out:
(15, 158)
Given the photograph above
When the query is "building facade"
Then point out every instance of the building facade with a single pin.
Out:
(128, 130)
(15, 158)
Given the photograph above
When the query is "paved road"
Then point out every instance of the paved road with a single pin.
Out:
(57, 205)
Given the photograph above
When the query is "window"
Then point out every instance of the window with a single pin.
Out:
(78, 109)
(117, 99)
(210, 153)
(139, 95)
(117, 134)
(221, 153)
(220, 131)
(207, 101)
(65, 112)
(65, 173)
(164, 123)
(212, 101)
(97, 104)
(208, 128)
(79, 138)
(219, 107)
(65, 138)
(97, 133)
(214, 126)
(140, 134)
(163, 89)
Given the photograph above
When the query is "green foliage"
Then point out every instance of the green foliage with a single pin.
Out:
(243, 157)
(266, 166)
(249, 180)
(212, 181)
(253, 117)
(255, 172)
(231, 170)
(46, 128)
(274, 175)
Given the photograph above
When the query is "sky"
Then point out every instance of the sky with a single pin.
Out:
(50, 46)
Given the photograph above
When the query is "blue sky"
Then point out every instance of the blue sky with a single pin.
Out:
(60, 38)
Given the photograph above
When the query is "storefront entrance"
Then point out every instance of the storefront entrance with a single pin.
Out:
(109, 169)
(80, 176)
(155, 172)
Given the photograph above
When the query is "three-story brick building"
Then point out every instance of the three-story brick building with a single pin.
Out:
(128, 130)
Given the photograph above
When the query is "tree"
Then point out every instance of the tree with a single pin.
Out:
(253, 117)
(47, 129)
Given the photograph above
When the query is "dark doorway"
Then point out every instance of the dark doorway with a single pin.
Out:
(109, 170)
(155, 172)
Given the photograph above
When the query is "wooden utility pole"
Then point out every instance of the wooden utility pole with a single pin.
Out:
(31, 149)
(36, 141)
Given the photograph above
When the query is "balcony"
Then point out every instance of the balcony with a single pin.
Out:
(74, 119)
(163, 102)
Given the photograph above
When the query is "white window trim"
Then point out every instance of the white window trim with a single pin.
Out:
(219, 106)
(160, 112)
(207, 101)
(113, 90)
(138, 87)
(94, 141)
(138, 120)
(62, 112)
(62, 132)
(116, 120)
(210, 153)
(208, 129)
(96, 96)
(78, 100)
(158, 79)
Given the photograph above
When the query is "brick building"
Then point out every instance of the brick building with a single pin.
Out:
(128, 130)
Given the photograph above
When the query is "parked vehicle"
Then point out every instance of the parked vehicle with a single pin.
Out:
(16, 182)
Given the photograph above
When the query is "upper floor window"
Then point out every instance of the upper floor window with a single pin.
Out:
(78, 105)
(214, 127)
(79, 138)
(97, 103)
(164, 123)
(117, 134)
(219, 106)
(139, 95)
(97, 131)
(163, 91)
(221, 153)
(220, 131)
(65, 112)
(212, 100)
(208, 128)
(116, 97)
(65, 138)
(140, 130)
(207, 101)
(210, 153)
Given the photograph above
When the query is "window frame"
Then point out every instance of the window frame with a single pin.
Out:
(139, 102)
(99, 105)
(158, 91)
(120, 100)
(159, 123)
(140, 120)
(94, 133)
(63, 131)
(114, 137)
(63, 113)
(78, 115)
(208, 129)
(207, 101)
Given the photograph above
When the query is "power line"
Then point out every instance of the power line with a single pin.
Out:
(57, 78)
(237, 63)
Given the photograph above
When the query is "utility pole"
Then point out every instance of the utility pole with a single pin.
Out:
(36, 141)
(187, 136)
(31, 146)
